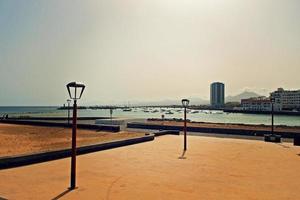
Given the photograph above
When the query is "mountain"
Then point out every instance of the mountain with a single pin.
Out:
(243, 95)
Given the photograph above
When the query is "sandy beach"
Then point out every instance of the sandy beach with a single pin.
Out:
(24, 139)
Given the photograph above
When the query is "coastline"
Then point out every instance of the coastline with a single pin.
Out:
(208, 116)
(287, 113)
(261, 127)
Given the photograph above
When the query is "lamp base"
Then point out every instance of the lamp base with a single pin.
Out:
(272, 138)
(296, 140)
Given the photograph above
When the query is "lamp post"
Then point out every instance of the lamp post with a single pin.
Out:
(75, 90)
(185, 103)
(272, 105)
(69, 101)
(111, 113)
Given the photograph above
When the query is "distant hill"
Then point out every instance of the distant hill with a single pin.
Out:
(243, 95)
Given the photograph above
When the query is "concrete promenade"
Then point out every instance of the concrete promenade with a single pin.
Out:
(212, 168)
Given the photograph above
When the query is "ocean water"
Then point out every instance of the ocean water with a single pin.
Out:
(201, 116)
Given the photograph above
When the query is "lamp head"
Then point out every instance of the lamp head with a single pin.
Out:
(185, 103)
(75, 90)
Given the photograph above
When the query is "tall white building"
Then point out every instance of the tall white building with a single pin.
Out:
(217, 95)
(286, 99)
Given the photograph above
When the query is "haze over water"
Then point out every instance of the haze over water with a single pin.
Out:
(142, 50)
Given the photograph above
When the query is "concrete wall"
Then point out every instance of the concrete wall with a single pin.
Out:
(111, 128)
(210, 130)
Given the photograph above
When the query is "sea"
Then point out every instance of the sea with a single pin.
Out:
(145, 113)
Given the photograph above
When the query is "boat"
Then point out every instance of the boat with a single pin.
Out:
(127, 110)
(169, 113)
(194, 112)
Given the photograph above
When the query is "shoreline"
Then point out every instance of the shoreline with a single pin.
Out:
(144, 113)
(253, 112)
(222, 125)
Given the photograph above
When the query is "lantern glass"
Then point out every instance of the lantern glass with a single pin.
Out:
(185, 102)
(75, 90)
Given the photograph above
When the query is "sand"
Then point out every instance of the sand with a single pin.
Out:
(23, 139)
(229, 126)
(212, 168)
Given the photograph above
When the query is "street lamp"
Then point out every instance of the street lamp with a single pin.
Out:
(75, 90)
(111, 113)
(69, 101)
(185, 104)
(272, 104)
(272, 137)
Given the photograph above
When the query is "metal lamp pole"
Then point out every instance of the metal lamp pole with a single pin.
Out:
(69, 101)
(74, 86)
(185, 103)
(74, 149)
(111, 113)
(272, 102)
(185, 128)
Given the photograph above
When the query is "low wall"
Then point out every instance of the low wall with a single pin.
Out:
(166, 132)
(111, 128)
(17, 161)
(55, 118)
(209, 130)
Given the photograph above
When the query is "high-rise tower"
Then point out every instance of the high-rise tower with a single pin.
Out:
(217, 95)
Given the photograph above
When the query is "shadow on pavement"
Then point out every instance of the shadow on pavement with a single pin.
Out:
(61, 194)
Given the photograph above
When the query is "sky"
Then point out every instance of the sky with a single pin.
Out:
(145, 50)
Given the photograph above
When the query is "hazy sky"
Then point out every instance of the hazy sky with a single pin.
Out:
(127, 50)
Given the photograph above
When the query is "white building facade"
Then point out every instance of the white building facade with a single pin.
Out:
(286, 99)
(256, 104)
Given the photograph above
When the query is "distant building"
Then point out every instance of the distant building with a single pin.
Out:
(256, 104)
(217, 95)
(286, 99)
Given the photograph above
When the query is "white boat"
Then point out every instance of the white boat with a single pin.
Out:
(169, 113)
(194, 112)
